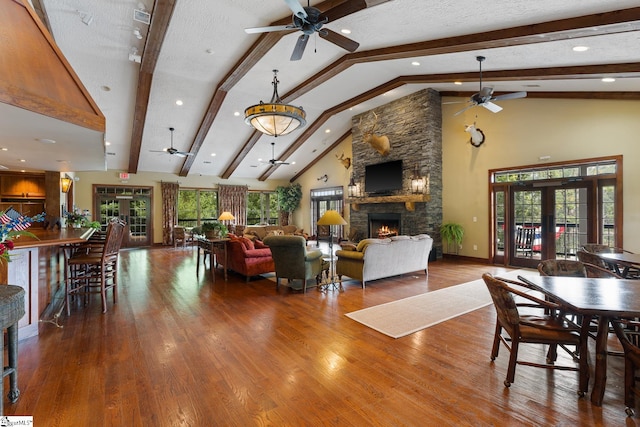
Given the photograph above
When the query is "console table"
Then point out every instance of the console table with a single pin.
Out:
(208, 247)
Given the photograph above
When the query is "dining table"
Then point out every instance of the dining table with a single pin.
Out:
(622, 262)
(590, 297)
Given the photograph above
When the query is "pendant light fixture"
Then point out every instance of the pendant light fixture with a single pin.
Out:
(275, 118)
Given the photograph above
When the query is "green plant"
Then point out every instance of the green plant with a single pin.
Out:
(289, 199)
(94, 224)
(452, 233)
(216, 227)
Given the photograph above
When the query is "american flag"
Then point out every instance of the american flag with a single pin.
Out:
(15, 220)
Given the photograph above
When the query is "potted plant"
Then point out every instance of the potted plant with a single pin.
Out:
(288, 200)
(214, 229)
(452, 233)
(76, 219)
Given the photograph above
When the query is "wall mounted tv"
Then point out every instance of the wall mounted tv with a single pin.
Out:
(383, 178)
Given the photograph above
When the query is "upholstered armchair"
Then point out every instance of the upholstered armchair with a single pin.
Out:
(292, 260)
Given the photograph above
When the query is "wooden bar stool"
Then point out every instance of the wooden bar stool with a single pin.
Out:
(11, 311)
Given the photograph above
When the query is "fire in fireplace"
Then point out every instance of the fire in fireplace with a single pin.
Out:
(384, 225)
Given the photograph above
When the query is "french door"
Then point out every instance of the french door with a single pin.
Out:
(551, 221)
(130, 204)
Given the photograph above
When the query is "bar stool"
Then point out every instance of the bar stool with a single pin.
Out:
(11, 311)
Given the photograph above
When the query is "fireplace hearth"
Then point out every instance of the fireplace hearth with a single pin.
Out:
(384, 224)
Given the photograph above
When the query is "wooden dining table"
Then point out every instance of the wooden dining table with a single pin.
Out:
(605, 298)
(622, 262)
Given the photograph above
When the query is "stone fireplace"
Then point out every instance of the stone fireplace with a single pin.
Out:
(413, 125)
(384, 224)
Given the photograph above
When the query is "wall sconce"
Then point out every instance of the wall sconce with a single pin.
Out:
(352, 188)
(417, 182)
(65, 183)
(324, 178)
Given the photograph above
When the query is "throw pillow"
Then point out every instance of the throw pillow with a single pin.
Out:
(248, 244)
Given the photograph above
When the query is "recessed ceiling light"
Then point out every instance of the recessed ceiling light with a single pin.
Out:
(415, 63)
(4, 149)
(345, 31)
(22, 160)
(236, 113)
(327, 131)
(580, 48)
(260, 159)
(213, 154)
(608, 80)
(107, 143)
(46, 141)
(179, 102)
(457, 83)
(293, 163)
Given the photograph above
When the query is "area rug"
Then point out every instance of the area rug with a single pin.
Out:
(406, 316)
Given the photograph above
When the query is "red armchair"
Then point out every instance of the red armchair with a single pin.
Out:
(248, 258)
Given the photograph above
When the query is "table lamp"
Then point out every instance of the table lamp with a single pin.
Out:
(330, 218)
(226, 216)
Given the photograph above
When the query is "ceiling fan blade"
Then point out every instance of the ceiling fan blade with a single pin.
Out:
(183, 154)
(348, 7)
(256, 30)
(298, 50)
(513, 95)
(159, 151)
(297, 9)
(492, 107)
(464, 109)
(339, 40)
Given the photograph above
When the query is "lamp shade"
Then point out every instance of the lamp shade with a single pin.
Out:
(226, 216)
(65, 184)
(331, 218)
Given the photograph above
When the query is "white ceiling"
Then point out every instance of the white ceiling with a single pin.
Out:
(206, 38)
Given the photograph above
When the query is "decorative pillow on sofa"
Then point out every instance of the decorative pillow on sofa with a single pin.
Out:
(401, 237)
(275, 233)
(362, 245)
(247, 243)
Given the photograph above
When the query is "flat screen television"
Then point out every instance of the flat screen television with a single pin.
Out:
(383, 178)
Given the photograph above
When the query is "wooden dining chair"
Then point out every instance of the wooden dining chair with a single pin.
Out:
(544, 328)
(93, 268)
(561, 267)
(628, 332)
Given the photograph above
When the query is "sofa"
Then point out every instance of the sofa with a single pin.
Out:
(247, 257)
(375, 259)
(259, 232)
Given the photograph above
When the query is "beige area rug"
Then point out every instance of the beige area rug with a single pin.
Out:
(406, 316)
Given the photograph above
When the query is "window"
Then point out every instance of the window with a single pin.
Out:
(197, 206)
(262, 208)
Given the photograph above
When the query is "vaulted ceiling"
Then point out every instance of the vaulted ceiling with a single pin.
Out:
(199, 53)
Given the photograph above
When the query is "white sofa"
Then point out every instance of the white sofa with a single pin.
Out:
(378, 258)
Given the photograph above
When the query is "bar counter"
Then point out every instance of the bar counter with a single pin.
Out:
(37, 265)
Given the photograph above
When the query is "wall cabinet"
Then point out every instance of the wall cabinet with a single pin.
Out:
(22, 187)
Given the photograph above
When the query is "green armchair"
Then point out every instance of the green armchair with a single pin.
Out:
(292, 260)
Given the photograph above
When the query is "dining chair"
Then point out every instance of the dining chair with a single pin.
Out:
(545, 328)
(592, 258)
(561, 267)
(93, 267)
(628, 332)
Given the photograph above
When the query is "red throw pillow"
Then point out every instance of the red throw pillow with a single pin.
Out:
(248, 243)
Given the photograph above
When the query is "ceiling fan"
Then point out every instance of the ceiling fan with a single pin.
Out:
(273, 161)
(171, 150)
(485, 96)
(309, 20)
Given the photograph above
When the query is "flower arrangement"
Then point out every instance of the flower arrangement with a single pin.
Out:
(76, 217)
(13, 225)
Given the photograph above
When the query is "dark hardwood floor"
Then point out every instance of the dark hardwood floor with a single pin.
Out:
(181, 350)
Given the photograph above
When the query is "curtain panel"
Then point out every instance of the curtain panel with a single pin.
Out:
(169, 192)
(233, 198)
